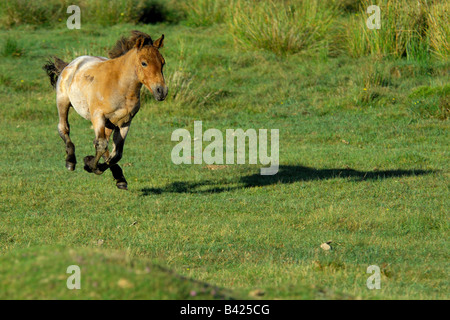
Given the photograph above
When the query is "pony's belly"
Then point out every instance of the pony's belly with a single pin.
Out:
(82, 110)
(79, 103)
(78, 83)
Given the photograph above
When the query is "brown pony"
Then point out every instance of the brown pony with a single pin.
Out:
(107, 92)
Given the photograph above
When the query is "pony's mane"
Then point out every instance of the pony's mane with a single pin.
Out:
(124, 45)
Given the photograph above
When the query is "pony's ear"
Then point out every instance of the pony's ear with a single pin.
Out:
(159, 43)
(139, 43)
(142, 41)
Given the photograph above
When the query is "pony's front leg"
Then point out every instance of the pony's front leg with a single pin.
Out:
(101, 146)
(114, 157)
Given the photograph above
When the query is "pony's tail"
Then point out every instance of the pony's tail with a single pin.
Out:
(54, 67)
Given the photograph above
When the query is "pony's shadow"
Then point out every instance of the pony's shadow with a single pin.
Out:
(286, 174)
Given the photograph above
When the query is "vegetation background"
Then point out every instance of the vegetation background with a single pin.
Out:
(363, 120)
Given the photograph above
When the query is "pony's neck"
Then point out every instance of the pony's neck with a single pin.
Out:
(128, 78)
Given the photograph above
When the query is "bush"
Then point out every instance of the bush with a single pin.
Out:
(285, 27)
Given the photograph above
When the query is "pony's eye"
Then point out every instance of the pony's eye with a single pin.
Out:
(144, 64)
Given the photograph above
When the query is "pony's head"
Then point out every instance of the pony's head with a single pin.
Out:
(149, 62)
(149, 66)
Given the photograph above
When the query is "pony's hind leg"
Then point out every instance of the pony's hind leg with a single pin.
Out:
(64, 132)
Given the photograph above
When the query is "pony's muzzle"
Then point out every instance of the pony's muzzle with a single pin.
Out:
(160, 92)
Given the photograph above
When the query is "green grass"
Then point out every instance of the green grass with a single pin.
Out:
(103, 275)
(363, 162)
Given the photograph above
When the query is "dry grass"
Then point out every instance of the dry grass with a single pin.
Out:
(439, 29)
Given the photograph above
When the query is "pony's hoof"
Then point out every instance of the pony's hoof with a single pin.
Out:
(87, 161)
(98, 170)
(122, 185)
(70, 166)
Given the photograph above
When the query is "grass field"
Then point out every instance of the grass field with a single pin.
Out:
(364, 153)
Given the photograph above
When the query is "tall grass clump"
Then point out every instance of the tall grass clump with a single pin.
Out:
(282, 27)
(430, 102)
(349, 6)
(205, 12)
(105, 12)
(155, 11)
(102, 12)
(403, 31)
(180, 82)
(36, 12)
(11, 48)
(439, 29)
(187, 90)
(179, 79)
